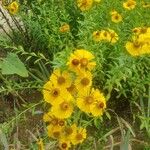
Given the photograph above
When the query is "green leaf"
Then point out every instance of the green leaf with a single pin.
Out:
(13, 65)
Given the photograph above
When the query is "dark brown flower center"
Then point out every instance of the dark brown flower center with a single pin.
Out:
(84, 62)
(143, 30)
(85, 81)
(56, 134)
(105, 34)
(61, 80)
(116, 17)
(71, 88)
(136, 44)
(55, 92)
(64, 145)
(61, 122)
(64, 106)
(79, 136)
(68, 130)
(97, 33)
(75, 62)
(54, 121)
(89, 99)
(101, 105)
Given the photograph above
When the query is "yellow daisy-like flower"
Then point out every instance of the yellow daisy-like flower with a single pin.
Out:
(61, 79)
(105, 35)
(136, 30)
(83, 81)
(80, 136)
(145, 4)
(85, 100)
(54, 94)
(64, 28)
(84, 4)
(52, 120)
(129, 5)
(97, 36)
(99, 106)
(116, 17)
(63, 110)
(81, 60)
(54, 131)
(64, 144)
(113, 36)
(68, 132)
(13, 8)
(134, 48)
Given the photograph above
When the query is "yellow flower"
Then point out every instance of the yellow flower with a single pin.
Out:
(80, 136)
(54, 131)
(64, 144)
(116, 17)
(13, 8)
(63, 110)
(40, 144)
(98, 107)
(105, 35)
(136, 30)
(113, 36)
(97, 36)
(85, 100)
(61, 79)
(81, 60)
(134, 48)
(145, 4)
(83, 81)
(68, 132)
(52, 120)
(54, 94)
(64, 28)
(129, 4)
(84, 4)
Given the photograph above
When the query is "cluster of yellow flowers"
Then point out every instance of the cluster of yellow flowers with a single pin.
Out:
(71, 90)
(105, 35)
(140, 41)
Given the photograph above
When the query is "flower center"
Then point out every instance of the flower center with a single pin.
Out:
(85, 81)
(105, 34)
(84, 62)
(136, 44)
(64, 106)
(143, 30)
(56, 134)
(55, 92)
(79, 136)
(101, 105)
(64, 145)
(61, 123)
(54, 121)
(116, 17)
(71, 88)
(68, 130)
(61, 80)
(89, 99)
(75, 62)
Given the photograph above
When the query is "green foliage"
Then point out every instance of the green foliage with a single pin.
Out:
(13, 65)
